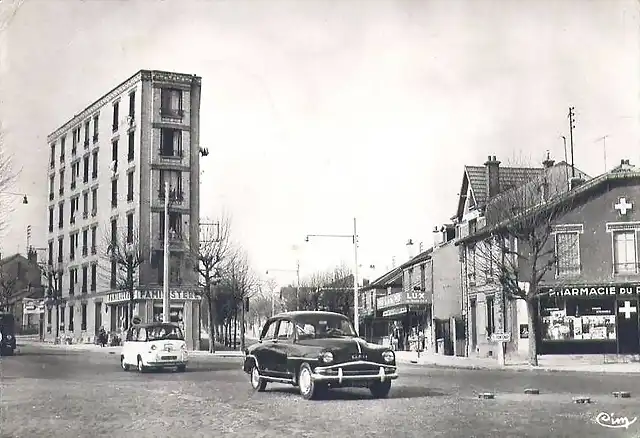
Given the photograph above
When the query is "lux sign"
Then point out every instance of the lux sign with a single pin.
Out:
(400, 298)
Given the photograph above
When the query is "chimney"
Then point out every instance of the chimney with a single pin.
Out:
(548, 162)
(437, 237)
(410, 249)
(32, 255)
(492, 176)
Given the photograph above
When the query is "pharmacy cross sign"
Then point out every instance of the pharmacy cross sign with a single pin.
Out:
(623, 206)
(627, 309)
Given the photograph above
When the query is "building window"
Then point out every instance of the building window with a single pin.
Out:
(171, 102)
(51, 219)
(83, 320)
(490, 317)
(72, 246)
(86, 133)
(85, 242)
(114, 155)
(116, 108)
(95, 127)
(132, 105)
(624, 252)
(84, 279)
(131, 153)
(94, 275)
(50, 259)
(73, 175)
(94, 236)
(130, 186)
(85, 205)
(94, 172)
(61, 182)
(70, 318)
(85, 175)
(471, 263)
(130, 228)
(72, 280)
(114, 232)
(112, 280)
(114, 193)
(170, 142)
(76, 139)
(567, 254)
(60, 248)
(51, 187)
(61, 215)
(94, 202)
(175, 276)
(175, 225)
(63, 142)
(52, 159)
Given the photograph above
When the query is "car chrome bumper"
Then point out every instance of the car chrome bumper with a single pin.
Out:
(320, 374)
(166, 363)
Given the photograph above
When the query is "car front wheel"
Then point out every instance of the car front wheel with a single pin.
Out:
(123, 365)
(257, 382)
(308, 387)
(380, 389)
(141, 367)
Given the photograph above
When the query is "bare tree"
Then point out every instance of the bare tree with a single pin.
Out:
(213, 249)
(8, 288)
(7, 178)
(52, 275)
(517, 246)
(123, 253)
(261, 304)
(242, 282)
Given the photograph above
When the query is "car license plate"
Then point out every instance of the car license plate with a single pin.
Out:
(168, 358)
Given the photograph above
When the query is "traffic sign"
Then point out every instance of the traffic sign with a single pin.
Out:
(501, 337)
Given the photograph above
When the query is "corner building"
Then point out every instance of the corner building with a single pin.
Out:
(107, 171)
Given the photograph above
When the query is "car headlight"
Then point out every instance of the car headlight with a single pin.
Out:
(9, 337)
(388, 356)
(153, 347)
(326, 357)
(183, 347)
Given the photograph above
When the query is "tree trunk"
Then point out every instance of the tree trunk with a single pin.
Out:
(212, 324)
(235, 328)
(533, 346)
(242, 329)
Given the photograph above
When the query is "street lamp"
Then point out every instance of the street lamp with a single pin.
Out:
(24, 197)
(273, 294)
(354, 237)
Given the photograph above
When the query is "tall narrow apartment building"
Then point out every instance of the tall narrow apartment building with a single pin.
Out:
(107, 171)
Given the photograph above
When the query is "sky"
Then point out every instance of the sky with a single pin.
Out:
(319, 112)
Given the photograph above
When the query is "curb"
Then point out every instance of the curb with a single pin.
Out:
(518, 368)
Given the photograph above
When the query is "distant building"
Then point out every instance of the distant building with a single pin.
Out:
(20, 278)
(106, 178)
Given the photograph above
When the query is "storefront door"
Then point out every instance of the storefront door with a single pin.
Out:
(627, 318)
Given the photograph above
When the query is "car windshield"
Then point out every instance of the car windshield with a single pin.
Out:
(164, 332)
(324, 326)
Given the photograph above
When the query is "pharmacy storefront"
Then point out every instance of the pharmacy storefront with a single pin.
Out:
(593, 319)
(184, 305)
(409, 317)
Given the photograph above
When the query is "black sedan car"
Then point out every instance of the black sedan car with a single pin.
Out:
(315, 351)
(7, 334)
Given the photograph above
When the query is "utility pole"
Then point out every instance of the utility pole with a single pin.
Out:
(604, 149)
(572, 125)
(356, 313)
(297, 284)
(165, 266)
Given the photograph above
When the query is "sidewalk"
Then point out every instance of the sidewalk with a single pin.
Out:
(22, 341)
(587, 363)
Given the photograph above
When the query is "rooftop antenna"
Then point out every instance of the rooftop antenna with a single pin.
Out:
(604, 149)
(572, 125)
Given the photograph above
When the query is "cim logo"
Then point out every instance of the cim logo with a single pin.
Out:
(612, 421)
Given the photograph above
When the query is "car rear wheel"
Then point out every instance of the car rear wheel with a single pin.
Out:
(380, 389)
(123, 365)
(257, 382)
(308, 388)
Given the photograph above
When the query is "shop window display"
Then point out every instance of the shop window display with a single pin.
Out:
(576, 320)
(176, 314)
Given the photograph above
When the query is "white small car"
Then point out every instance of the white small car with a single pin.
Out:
(154, 345)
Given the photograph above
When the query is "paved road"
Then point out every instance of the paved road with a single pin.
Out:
(51, 392)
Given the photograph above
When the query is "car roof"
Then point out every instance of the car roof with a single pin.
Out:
(156, 324)
(302, 313)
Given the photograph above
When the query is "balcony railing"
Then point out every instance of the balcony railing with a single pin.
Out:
(171, 153)
(176, 196)
(176, 113)
(173, 236)
(85, 214)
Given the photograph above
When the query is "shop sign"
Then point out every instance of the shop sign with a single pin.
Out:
(396, 311)
(595, 291)
(402, 298)
(153, 294)
(32, 306)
